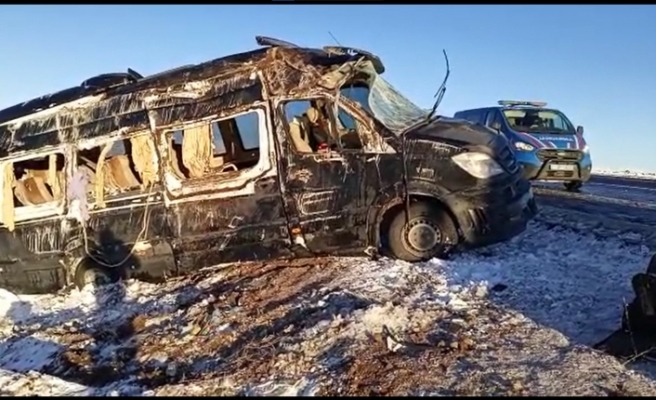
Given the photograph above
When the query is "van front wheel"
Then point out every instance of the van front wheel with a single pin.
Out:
(430, 232)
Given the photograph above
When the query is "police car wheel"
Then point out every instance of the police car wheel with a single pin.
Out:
(87, 273)
(430, 232)
(573, 186)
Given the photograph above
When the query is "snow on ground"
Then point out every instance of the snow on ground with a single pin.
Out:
(626, 173)
(516, 318)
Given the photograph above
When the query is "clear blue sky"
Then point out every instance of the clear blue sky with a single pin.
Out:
(595, 63)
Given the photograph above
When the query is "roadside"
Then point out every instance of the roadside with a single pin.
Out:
(606, 218)
(516, 318)
(625, 174)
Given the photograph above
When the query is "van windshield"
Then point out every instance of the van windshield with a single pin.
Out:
(385, 103)
(551, 121)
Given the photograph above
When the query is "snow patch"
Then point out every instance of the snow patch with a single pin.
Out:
(625, 173)
(572, 284)
(34, 383)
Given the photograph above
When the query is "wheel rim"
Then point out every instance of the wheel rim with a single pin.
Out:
(92, 277)
(422, 235)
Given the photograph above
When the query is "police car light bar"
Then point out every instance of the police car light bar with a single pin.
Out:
(521, 103)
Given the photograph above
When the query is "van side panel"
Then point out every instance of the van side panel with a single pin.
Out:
(129, 230)
(235, 228)
(29, 256)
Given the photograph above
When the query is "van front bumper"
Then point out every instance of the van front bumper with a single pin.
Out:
(484, 222)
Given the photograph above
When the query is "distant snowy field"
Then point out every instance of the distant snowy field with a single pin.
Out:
(515, 318)
(626, 174)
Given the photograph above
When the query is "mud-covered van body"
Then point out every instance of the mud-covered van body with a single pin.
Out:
(257, 155)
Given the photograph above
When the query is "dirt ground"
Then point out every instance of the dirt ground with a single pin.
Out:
(301, 324)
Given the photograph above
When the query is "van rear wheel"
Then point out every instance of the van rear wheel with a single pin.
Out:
(430, 232)
(87, 273)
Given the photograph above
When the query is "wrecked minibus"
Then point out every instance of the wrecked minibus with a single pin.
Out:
(270, 153)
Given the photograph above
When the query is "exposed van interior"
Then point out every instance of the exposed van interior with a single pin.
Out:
(38, 180)
(310, 127)
(226, 147)
(127, 164)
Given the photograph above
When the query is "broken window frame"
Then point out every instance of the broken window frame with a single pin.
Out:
(372, 142)
(101, 199)
(32, 212)
(242, 183)
(280, 106)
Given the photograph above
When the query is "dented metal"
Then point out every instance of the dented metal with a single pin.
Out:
(269, 201)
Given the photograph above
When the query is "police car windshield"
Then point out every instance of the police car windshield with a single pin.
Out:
(541, 120)
(386, 104)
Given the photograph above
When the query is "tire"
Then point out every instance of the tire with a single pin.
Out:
(573, 186)
(441, 235)
(88, 273)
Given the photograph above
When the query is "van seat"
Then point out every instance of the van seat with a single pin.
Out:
(299, 136)
(33, 191)
(120, 171)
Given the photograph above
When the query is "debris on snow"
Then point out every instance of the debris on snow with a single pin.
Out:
(516, 318)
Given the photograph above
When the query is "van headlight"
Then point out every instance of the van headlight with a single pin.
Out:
(478, 165)
(521, 146)
(586, 149)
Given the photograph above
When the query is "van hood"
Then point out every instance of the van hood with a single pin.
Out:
(458, 131)
(553, 140)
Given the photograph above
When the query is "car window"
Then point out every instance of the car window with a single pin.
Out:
(479, 116)
(538, 120)
(492, 118)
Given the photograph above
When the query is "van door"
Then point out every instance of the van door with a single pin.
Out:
(322, 177)
(223, 191)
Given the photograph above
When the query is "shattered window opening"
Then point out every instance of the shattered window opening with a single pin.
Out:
(32, 188)
(358, 93)
(309, 125)
(128, 164)
(385, 103)
(225, 146)
(38, 180)
(351, 130)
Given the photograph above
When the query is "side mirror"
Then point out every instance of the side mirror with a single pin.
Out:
(579, 130)
(496, 126)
